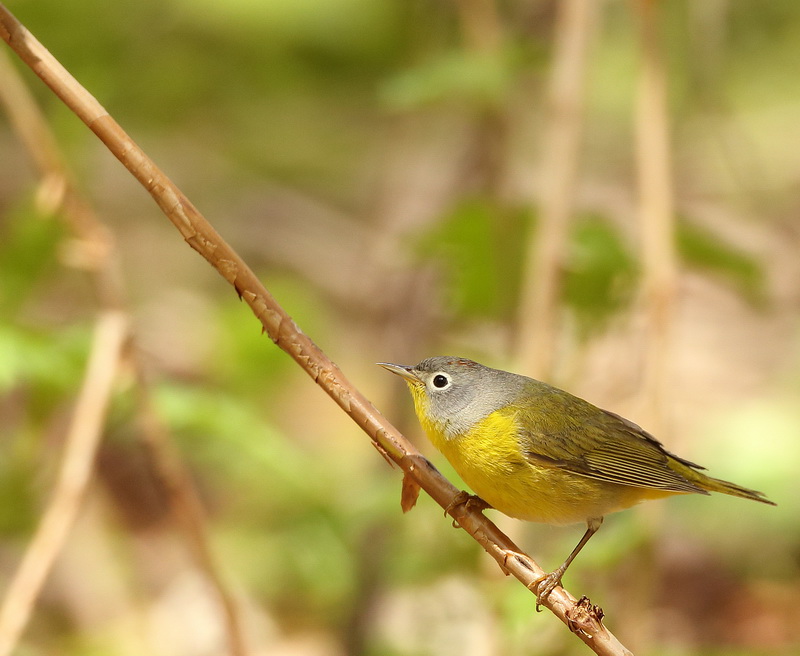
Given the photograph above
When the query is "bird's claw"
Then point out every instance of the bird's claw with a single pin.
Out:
(544, 585)
(469, 501)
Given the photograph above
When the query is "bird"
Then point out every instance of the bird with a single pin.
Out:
(538, 453)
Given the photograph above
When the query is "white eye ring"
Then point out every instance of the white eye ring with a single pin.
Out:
(441, 381)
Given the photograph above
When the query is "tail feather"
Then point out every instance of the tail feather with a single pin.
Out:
(726, 487)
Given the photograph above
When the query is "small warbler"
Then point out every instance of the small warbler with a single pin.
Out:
(535, 452)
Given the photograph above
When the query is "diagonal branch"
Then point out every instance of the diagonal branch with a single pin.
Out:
(201, 236)
(83, 437)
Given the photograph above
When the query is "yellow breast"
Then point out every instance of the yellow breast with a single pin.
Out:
(490, 459)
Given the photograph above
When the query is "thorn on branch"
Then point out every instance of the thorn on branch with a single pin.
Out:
(384, 453)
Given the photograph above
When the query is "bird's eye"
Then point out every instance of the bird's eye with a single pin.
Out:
(440, 381)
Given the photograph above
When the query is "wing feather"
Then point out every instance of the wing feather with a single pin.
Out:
(564, 431)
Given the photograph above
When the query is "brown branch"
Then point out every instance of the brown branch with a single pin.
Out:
(77, 461)
(201, 236)
(98, 248)
(656, 211)
(538, 317)
(480, 25)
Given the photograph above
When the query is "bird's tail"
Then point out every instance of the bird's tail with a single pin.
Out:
(726, 487)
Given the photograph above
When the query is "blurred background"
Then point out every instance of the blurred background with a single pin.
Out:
(600, 194)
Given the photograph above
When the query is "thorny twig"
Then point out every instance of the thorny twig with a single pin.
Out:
(201, 236)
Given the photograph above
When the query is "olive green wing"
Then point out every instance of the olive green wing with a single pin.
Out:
(564, 431)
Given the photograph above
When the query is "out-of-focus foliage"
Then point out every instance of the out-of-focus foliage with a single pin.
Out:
(709, 253)
(27, 253)
(378, 167)
(599, 274)
(475, 77)
(480, 245)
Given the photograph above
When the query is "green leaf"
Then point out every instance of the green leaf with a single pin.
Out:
(51, 364)
(480, 246)
(704, 250)
(27, 252)
(473, 76)
(599, 273)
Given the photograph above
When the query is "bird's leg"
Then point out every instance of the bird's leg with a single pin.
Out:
(544, 585)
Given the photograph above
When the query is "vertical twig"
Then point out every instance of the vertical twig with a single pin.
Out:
(480, 25)
(186, 509)
(483, 36)
(93, 247)
(77, 461)
(537, 323)
(656, 214)
(709, 24)
(98, 247)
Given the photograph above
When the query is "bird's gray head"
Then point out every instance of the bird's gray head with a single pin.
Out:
(456, 393)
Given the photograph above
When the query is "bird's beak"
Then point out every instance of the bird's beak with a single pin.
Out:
(401, 370)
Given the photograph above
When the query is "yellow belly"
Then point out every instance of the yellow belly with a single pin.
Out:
(491, 462)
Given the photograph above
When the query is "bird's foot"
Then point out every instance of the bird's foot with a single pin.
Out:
(544, 585)
(469, 501)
